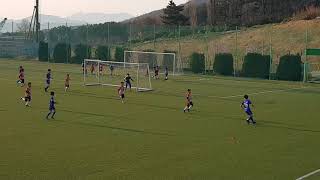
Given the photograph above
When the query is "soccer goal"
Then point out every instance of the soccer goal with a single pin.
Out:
(313, 72)
(162, 60)
(111, 73)
(312, 66)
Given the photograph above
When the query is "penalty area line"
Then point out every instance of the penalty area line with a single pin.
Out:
(257, 93)
(308, 175)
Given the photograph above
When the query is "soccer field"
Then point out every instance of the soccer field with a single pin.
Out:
(149, 137)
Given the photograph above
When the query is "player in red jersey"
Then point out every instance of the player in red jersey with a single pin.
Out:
(92, 68)
(121, 91)
(21, 77)
(156, 72)
(189, 103)
(27, 97)
(67, 83)
(101, 69)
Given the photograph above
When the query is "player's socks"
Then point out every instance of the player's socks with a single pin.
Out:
(54, 113)
(253, 121)
(47, 117)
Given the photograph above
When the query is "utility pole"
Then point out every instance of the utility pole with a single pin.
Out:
(37, 21)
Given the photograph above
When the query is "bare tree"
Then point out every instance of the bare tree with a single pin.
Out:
(23, 26)
(211, 9)
(193, 14)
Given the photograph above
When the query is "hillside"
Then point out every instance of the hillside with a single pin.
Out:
(235, 12)
(286, 38)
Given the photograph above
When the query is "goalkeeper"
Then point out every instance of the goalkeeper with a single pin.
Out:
(128, 80)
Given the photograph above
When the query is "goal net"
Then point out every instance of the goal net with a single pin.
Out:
(110, 73)
(154, 59)
(313, 72)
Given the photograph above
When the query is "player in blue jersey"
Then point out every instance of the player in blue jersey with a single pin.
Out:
(52, 107)
(48, 80)
(246, 105)
(128, 80)
(111, 67)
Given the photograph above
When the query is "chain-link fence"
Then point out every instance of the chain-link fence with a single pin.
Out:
(273, 40)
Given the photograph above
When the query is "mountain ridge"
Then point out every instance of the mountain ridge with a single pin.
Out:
(76, 19)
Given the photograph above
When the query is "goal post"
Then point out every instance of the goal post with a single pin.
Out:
(162, 60)
(111, 73)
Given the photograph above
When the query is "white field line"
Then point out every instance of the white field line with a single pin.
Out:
(53, 80)
(308, 175)
(257, 93)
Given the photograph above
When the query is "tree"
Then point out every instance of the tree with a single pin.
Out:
(193, 14)
(43, 53)
(81, 51)
(173, 15)
(211, 10)
(62, 53)
(103, 53)
(23, 26)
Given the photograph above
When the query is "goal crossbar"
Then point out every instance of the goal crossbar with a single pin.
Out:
(172, 64)
(143, 52)
(113, 62)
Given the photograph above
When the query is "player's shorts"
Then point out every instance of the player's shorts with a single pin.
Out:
(128, 84)
(249, 112)
(52, 108)
(190, 103)
(122, 96)
(67, 85)
(156, 73)
(27, 98)
(22, 81)
(48, 82)
(166, 74)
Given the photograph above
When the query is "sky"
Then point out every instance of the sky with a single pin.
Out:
(17, 9)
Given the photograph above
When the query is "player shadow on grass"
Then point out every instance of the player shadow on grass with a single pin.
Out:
(131, 102)
(111, 127)
(124, 129)
(284, 126)
(273, 124)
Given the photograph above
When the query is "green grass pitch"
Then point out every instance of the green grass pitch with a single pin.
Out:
(149, 137)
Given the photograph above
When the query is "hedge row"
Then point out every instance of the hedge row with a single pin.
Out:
(62, 53)
(254, 65)
(197, 63)
(43, 51)
(223, 64)
(290, 68)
